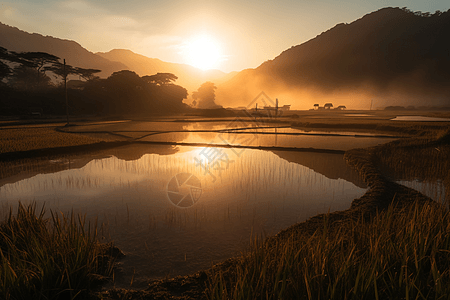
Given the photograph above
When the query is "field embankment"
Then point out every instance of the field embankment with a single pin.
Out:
(392, 242)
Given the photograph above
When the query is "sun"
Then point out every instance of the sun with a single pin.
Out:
(203, 52)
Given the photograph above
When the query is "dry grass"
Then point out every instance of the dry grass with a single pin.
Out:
(397, 254)
(25, 138)
(427, 159)
(400, 253)
(49, 258)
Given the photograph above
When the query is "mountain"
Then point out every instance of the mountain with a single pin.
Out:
(393, 56)
(17, 40)
(188, 76)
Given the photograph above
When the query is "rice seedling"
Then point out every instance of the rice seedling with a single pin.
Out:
(396, 254)
(50, 258)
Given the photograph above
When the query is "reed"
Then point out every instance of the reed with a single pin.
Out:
(397, 254)
(49, 258)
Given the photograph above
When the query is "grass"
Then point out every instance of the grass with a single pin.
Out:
(25, 138)
(426, 158)
(397, 254)
(49, 258)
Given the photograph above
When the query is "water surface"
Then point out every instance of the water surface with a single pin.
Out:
(247, 193)
(331, 142)
(436, 190)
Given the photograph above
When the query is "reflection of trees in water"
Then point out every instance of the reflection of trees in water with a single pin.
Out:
(26, 168)
(259, 192)
(249, 173)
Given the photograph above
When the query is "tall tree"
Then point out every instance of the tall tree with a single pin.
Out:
(37, 61)
(24, 77)
(87, 74)
(160, 78)
(205, 96)
(125, 91)
(64, 70)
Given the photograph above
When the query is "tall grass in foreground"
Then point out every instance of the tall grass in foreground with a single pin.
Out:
(401, 255)
(48, 258)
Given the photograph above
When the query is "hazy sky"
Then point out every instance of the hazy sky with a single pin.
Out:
(240, 34)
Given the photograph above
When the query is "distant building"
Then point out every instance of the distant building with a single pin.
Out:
(285, 108)
(328, 105)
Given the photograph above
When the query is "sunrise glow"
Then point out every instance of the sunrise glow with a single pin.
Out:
(203, 52)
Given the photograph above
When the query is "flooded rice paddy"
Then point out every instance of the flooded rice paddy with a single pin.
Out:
(175, 210)
(237, 132)
(257, 139)
(250, 193)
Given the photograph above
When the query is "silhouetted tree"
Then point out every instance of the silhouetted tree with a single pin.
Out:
(7, 60)
(205, 96)
(60, 70)
(87, 74)
(160, 78)
(24, 77)
(124, 90)
(5, 70)
(64, 71)
(169, 98)
(124, 80)
(37, 61)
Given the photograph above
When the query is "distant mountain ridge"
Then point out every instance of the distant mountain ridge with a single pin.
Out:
(188, 76)
(390, 55)
(17, 40)
(115, 60)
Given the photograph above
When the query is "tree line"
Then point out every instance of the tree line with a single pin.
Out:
(37, 80)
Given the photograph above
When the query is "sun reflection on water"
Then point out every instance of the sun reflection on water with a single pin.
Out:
(257, 192)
